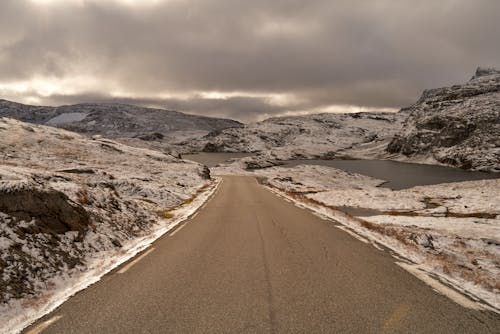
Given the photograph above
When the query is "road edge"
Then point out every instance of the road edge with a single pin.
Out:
(24, 317)
(437, 282)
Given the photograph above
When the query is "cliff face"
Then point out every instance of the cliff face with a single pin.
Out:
(457, 125)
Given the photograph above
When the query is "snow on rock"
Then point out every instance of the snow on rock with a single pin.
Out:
(67, 118)
(134, 125)
(457, 125)
(449, 230)
(69, 203)
(310, 136)
(113, 119)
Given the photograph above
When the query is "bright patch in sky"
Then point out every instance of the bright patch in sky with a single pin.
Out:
(125, 2)
(273, 98)
(47, 86)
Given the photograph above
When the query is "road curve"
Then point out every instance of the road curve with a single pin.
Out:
(251, 262)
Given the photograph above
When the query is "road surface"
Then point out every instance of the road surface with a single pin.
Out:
(251, 262)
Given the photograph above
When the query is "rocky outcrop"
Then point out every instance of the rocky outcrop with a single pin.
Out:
(321, 136)
(457, 125)
(52, 210)
(70, 203)
(259, 162)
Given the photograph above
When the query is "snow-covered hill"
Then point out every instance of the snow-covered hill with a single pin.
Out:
(457, 125)
(70, 204)
(310, 136)
(115, 120)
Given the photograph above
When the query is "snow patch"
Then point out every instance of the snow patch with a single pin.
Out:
(67, 118)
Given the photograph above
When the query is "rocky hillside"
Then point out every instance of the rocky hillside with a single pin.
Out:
(310, 136)
(68, 202)
(117, 120)
(457, 125)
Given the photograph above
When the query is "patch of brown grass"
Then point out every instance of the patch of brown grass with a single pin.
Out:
(485, 215)
(387, 230)
(83, 197)
(189, 200)
(450, 266)
(166, 213)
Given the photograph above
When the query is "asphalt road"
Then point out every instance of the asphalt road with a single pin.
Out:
(250, 262)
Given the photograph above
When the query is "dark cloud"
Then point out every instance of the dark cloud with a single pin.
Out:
(378, 53)
(240, 107)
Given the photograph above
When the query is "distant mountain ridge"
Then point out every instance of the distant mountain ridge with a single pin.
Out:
(457, 126)
(325, 136)
(114, 120)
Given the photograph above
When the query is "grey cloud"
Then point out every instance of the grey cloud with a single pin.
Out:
(380, 53)
(244, 109)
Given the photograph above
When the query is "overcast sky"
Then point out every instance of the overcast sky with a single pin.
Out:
(245, 59)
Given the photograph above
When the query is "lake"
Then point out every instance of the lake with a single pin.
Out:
(400, 175)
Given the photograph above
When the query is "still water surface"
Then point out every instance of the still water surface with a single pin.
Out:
(399, 175)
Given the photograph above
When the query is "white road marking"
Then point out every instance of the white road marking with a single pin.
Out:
(374, 244)
(177, 230)
(319, 215)
(39, 328)
(352, 233)
(439, 287)
(131, 264)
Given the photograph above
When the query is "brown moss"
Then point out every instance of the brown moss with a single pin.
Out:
(83, 197)
(165, 213)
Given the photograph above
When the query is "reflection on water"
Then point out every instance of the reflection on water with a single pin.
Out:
(213, 159)
(360, 212)
(400, 175)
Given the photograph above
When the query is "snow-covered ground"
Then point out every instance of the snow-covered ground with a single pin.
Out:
(72, 208)
(448, 231)
(457, 126)
(308, 136)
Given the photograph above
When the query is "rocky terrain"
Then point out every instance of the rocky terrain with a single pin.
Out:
(134, 125)
(69, 203)
(457, 125)
(311, 136)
